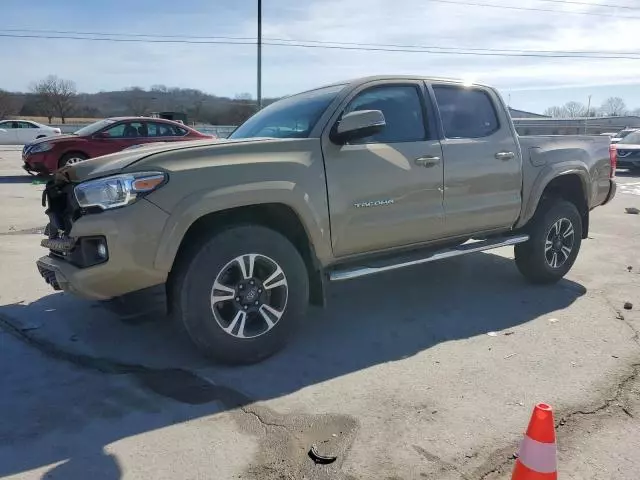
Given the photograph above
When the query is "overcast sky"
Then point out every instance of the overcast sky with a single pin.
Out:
(532, 83)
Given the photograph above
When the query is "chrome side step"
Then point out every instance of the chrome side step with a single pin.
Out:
(468, 247)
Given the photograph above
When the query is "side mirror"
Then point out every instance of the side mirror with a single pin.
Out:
(359, 124)
(102, 135)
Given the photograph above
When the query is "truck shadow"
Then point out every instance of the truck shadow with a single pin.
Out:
(367, 322)
(21, 179)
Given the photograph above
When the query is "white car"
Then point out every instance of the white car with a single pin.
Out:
(21, 132)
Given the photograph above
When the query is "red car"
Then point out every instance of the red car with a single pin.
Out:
(106, 136)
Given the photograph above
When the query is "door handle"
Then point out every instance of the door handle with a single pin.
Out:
(427, 162)
(505, 156)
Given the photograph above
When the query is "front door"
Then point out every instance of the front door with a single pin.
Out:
(385, 191)
(483, 175)
(118, 137)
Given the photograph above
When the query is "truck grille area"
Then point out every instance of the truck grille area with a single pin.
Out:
(635, 154)
(63, 211)
(62, 208)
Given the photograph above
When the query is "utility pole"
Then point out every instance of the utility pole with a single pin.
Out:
(588, 114)
(259, 96)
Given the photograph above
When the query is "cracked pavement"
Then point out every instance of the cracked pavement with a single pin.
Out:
(397, 377)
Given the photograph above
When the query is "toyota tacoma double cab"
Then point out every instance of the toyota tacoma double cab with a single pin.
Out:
(352, 179)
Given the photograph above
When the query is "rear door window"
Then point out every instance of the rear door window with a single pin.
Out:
(164, 130)
(466, 112)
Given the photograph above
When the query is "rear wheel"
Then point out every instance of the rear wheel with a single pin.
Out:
(555, 236)
(241, 294)
(71, 159)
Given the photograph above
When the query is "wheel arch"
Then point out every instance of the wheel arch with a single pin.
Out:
(280, 217)
(570, 185)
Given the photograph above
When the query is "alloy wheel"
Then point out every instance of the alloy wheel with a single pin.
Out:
(249, 295)
(559, 242)
(73, 160)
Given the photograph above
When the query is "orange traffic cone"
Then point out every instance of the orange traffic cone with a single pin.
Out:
(537, 456)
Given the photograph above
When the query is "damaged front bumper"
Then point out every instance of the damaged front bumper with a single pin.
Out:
(103, 254)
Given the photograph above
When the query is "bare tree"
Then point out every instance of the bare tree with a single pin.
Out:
(8, 104)
(44, 92)
(65, 94)
(555, 112)
(198, 101)
(574, 109)
(55, 96)
(613, 107)
(138, 101)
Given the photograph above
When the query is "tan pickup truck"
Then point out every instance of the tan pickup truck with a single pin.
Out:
(332, 184)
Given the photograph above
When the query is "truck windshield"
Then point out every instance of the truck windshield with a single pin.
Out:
(291, 117)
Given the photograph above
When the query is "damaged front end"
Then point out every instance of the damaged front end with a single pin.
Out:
(63, 211)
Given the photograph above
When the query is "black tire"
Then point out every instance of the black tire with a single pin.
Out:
(534, 258)
(192, 294)
(71, 155)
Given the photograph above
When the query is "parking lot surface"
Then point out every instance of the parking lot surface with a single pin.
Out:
(429, 372)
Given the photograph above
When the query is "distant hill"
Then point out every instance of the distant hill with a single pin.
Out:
(199, 106)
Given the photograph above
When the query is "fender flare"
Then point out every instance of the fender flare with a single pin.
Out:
(205, 202)
(545, 177)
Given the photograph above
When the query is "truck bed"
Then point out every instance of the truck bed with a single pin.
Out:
(543, 152)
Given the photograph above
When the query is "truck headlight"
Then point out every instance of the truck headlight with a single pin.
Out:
(117, 190)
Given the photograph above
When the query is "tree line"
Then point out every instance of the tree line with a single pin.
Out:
(54, 97)
(611, 107)
(57, 98)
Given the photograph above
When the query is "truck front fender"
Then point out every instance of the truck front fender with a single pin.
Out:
(314, 218)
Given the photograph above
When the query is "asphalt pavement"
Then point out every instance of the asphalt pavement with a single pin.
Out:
(427, 373)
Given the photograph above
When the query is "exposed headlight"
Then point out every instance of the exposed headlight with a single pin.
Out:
(40, 147)
(117, 190)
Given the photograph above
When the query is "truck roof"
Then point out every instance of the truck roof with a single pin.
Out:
(361, 80)
(411, 77)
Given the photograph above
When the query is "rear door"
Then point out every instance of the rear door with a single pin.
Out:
(26, 132)
(385, 191)
(483, 174)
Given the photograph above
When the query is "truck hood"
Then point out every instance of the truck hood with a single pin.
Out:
(117, 162)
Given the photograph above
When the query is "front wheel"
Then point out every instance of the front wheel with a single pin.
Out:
(71, 159)
(241, 294)
(555, 236)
